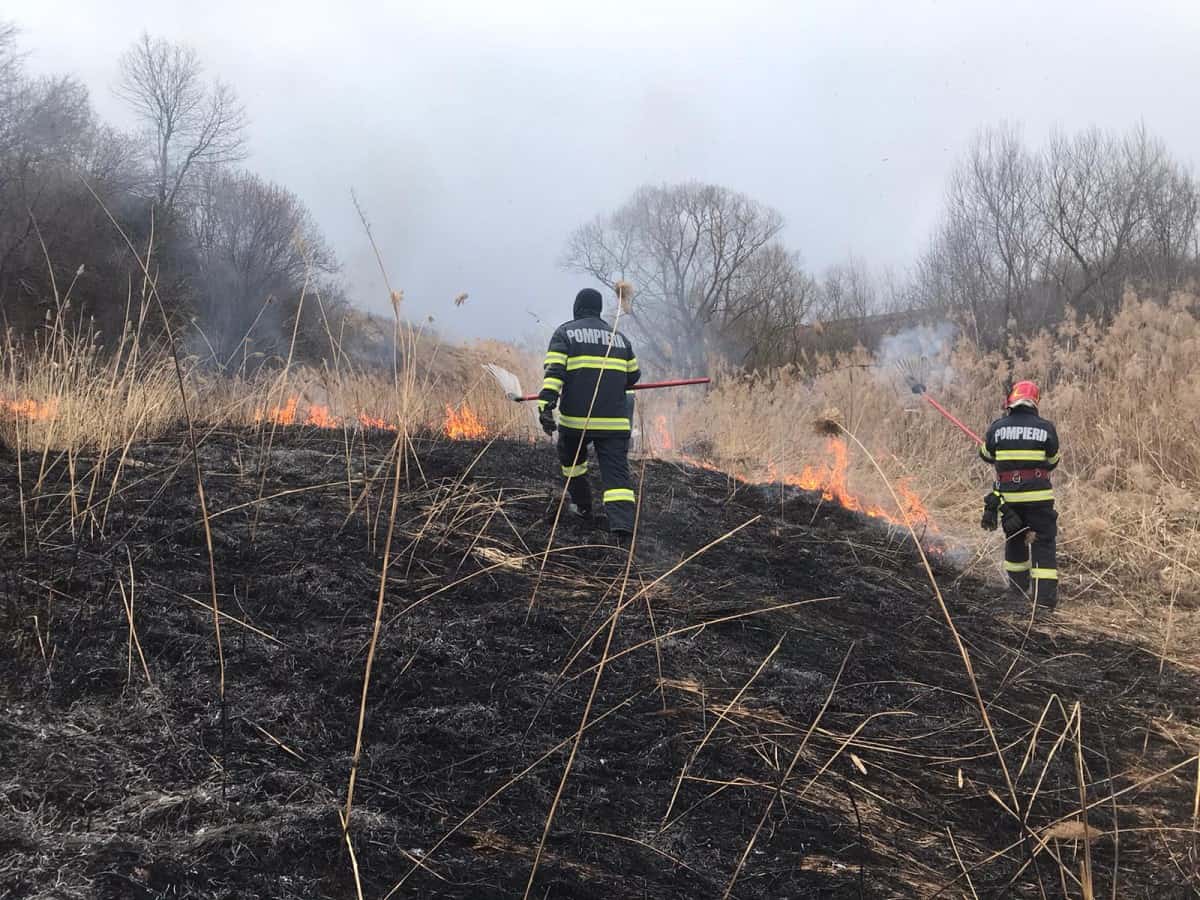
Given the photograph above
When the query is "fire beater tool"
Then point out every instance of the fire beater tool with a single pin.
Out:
(512, 387)
(919, 389)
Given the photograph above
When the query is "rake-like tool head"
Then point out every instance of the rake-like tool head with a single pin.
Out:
(509, 383)
(914, 370)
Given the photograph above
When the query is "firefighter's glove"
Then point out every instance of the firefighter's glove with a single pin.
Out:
(991, 513)
(546, 418)
(1011, 521)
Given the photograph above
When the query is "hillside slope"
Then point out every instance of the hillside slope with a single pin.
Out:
(805, 642)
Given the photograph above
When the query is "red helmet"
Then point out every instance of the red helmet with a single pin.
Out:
(1023, 393)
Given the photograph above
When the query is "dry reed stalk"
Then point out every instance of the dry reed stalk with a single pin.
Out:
(712, 728)
(195, 453)
(127, 603)
(945, 610)
(719, 620)
(587, 709)
(1177, 580)
(962, 868)
(644, 591)
(358, 891)
(1085, 874)
(787, 774)
(277, 742)
(282, 382)
(401, 446)
(383, 573)
(621, 837)
(1196, 799)
(504, 787)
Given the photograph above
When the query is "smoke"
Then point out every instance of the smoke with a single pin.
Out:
(919, 354)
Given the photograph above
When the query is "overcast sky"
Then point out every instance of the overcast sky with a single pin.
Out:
(479, 134)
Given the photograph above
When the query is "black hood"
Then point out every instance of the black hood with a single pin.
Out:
(588, 303)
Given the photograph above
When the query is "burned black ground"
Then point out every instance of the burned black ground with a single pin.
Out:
(115, 787)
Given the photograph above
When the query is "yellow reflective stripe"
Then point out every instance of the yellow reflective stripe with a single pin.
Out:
(1044, 574)
(553, 384)
(574, 471)
(1017, 566)
(555, 358)
(1027, 496)
(1020, 455)
(596, 362)
(620, 495)
(983, 451)
(632, 365)
(1055, 459)
(594, 423)
(542, 404)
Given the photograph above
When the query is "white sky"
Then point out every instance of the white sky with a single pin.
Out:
(479, 134)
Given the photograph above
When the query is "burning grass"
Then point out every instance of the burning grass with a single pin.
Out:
(777, 700)
(725, 748)
(1124, 398)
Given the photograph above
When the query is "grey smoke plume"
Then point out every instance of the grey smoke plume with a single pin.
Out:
(921, 352)
(920, 341)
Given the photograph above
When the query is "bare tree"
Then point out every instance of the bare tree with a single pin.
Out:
(991, 250)
(255, 241)
(1098, 203)
(848, 291)
(685, 247)
(45, 126)
(189, 123)
(775, 300)
(10, 59)
(1169, 251)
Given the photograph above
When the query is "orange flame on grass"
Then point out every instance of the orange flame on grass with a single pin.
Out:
(367, 421)
(320, 417)
(279, 415)
(462, 424)
(830, 479)
(660, 439)
(315, 416)
(33, 410)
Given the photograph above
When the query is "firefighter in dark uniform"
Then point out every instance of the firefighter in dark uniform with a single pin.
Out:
(1024, 449)
(588, 369)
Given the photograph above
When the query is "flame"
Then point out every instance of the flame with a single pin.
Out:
(462, 424)
(315, 416)
(34, 410)
(370, 422)
(661, 437)
(279, 415)
(320, 417)
(830, 479)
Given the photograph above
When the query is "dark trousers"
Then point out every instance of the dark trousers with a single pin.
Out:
(612, 452)
(1030, 553)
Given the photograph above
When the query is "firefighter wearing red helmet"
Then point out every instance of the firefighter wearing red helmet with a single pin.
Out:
(1023, 448)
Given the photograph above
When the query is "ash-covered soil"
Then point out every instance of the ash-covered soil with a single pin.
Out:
(720, 718)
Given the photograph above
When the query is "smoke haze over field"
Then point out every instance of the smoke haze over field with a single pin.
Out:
(478, 135)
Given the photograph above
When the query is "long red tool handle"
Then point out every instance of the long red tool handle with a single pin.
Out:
(945, 412)
(649, 385)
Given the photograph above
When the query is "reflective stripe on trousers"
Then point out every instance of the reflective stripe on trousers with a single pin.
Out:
(1032, 568)
(612, 451)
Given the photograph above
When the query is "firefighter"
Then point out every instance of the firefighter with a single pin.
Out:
(588, 369)
(1024, 449)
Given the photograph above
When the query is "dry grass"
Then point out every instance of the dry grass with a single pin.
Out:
(62, 390)
(1126, 399)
